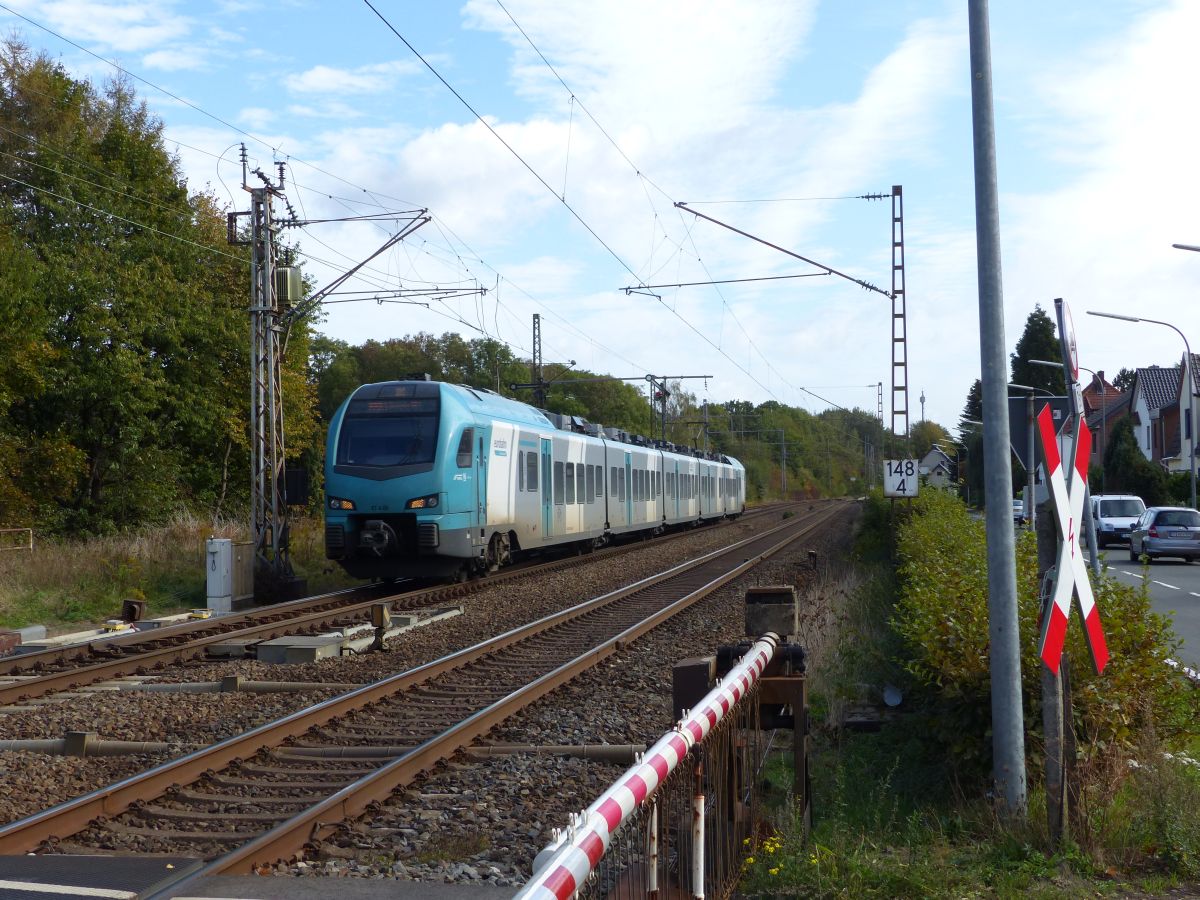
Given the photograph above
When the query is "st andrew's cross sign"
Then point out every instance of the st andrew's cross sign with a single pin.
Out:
(1071, 572)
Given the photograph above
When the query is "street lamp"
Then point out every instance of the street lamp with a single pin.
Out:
(1030, 466)
(967, 453)
(1103, 409)
(1191, 386)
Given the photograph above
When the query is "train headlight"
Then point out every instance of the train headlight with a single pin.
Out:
(427, 502)
(339, 503)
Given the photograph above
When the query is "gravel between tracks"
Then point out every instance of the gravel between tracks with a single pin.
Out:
(476, 822)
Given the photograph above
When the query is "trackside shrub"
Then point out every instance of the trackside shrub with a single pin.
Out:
(942, 615)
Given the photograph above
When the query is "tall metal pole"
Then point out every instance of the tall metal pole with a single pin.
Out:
(1008, 734)
(1031, 467)
(783, 458)
(1104, 429)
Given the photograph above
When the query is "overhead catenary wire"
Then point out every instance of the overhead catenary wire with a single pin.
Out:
(532, 171)
(546, 184)
(646, 180)
(372, 198)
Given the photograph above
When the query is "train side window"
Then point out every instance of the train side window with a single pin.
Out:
(612, 483)
(589, 476)
(621, 481)
(558, 484)
(531, 470)
(570, 482)
(464, 448)
(520, 470)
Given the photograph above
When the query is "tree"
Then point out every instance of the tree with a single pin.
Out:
(1128, 470)
(1038, 341)
(970, 429)
(1124, 379)
(138, 405)
(925, 434)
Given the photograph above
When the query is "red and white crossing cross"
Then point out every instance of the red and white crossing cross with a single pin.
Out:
(1071, 571)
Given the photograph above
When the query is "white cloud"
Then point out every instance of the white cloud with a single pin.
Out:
(129, 27)
(369, 79)
(174, 61)
(1101, 236)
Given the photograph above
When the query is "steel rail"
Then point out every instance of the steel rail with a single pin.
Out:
(331, 611)
(73, 816)
(323, 819)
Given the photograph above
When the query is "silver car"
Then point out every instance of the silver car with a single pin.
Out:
(1166, 531)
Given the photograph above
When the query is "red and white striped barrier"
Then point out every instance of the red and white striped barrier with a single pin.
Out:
(581, 848)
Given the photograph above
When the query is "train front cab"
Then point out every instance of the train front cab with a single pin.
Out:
(406, 484)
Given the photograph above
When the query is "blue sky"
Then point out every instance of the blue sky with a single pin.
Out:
(751, 100)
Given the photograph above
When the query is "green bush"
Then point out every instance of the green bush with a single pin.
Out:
(942, 614)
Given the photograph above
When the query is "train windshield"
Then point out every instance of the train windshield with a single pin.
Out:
(389, 432)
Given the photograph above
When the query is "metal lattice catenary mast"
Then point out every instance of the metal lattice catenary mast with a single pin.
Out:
(899, 320)
(268, 507)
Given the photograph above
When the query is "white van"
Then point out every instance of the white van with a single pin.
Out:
(1114, 515)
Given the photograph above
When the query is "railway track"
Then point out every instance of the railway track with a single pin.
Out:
(270, 790)
(44, 672)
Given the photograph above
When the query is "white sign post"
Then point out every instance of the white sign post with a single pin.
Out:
(900, 478)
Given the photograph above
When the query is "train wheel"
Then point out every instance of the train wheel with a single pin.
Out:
(499, 552)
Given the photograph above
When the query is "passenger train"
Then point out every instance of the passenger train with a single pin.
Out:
(434, 480)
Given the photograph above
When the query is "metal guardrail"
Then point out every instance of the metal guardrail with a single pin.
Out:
(16, 539)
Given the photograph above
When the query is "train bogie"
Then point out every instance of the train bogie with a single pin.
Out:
(425, 479)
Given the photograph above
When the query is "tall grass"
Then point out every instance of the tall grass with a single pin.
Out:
(66, 582)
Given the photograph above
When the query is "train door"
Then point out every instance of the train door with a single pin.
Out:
(480, 483)
(675, 486)
(629, 492)
(547, 491)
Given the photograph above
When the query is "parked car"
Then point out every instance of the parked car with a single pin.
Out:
(1166, 531)
(1018, 511)
(1115, 516)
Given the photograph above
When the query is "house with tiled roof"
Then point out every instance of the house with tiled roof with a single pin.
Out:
(1182, 445)
(1155, 390)
(1103, 406)
(1100, 422)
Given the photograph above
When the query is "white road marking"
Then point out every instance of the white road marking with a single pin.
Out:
(1134, 574)
(1194, 594)
(67, 890)
(1164, 584)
